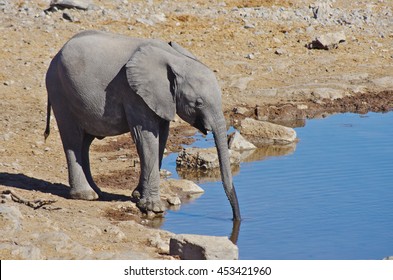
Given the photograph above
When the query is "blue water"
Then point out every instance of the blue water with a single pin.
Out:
(330, 198)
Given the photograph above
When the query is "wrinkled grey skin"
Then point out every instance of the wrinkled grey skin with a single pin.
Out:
(101, 84)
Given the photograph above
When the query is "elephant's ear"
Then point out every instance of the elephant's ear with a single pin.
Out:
(182, 50)
(151, 74)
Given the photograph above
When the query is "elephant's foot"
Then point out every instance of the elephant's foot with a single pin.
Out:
(84, 194)
(151, 205)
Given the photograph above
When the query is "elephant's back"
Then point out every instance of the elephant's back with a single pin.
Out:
(97, 55)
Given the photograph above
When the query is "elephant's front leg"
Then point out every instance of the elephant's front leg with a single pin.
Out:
(148, 190)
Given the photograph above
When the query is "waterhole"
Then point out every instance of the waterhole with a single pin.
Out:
(329, 197)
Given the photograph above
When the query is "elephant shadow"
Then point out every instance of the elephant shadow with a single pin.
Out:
(24, 182)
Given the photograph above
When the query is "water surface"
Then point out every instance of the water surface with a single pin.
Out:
(330, 197)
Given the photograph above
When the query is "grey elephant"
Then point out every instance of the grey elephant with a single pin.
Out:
(101, 84)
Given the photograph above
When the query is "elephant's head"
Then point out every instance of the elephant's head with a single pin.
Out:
(171, 80)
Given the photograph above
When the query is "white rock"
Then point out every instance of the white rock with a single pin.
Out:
(186, 187)
(174, 200)
(78, 4)
(328, 41)
(237, 142)
(262, 132)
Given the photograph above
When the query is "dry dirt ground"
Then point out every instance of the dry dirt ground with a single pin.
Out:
(258, 52)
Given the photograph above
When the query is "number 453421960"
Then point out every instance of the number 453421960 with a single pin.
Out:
(230, 270)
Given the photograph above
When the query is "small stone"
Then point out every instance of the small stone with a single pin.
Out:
(165, 173)
(174, 200)
(68, 17)
(104, 159)
(238, 143)
(280, 51)
(249, 25)
(145, 21)
(9, 83)
(250, 56)
(240, 110)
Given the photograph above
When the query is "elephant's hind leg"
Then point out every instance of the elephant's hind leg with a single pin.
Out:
(76, 146)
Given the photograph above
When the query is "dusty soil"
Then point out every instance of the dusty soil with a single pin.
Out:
(258, 52)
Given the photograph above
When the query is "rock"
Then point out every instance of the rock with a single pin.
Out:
(176, 191)
(145, 21)
(328, 41)
(165, 173)
(203, 158)
(174, 200)
(200, 247)
(250, 56)
(390, 258)
(185, 187)
(261, 132)
(241, 110)
(9, 83)
(68, 17)
(70, 4)
(237, 142)
(280, 51)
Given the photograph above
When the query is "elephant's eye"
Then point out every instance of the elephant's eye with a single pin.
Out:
(199, 102)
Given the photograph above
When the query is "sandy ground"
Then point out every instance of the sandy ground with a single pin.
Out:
(258, 52)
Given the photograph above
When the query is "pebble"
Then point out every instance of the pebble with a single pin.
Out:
(250, 56)
(280, 51)
(9, 83)
(174, 200)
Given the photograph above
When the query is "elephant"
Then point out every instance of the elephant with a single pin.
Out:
(102, 84)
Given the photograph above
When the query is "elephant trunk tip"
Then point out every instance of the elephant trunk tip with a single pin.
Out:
(235, 205)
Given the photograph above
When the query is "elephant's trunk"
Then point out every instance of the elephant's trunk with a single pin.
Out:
(220, 138)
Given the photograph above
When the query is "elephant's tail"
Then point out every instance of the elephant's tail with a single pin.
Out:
(48, 110)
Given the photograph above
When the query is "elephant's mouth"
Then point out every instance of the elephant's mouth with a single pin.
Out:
(200, 125)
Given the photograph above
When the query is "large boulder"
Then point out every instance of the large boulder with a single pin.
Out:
(262, 133)
(201, 247)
